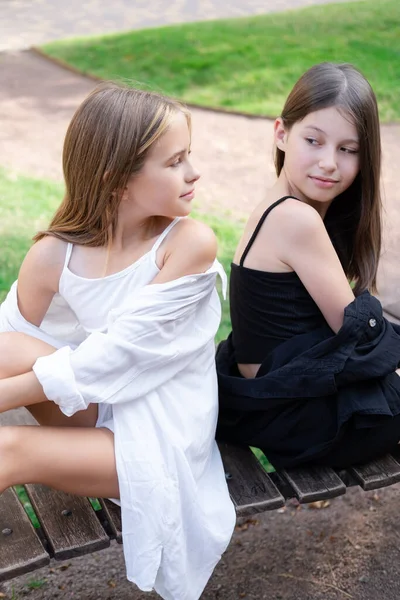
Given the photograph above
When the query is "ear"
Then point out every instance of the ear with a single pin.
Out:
(123, 193)
(280, 134)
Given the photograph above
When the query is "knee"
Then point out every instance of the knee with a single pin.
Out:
(10, 345)
(18, 352)
(8, 339)
(10, 456)
(10, 440)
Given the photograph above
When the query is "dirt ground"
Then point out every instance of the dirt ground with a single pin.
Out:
(348, 550)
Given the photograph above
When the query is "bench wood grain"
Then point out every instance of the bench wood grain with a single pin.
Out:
(69, 522)
(313, 483)
(251, 489)
(377, 473)
(70, 527)
(21, 550)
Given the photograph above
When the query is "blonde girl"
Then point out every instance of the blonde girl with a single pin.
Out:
(109, 342)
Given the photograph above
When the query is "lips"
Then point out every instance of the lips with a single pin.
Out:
(324, 179)
(324, 183)
(187, 194)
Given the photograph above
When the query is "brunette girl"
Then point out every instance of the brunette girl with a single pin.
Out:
(308, 373)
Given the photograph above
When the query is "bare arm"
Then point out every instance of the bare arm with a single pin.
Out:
(192, 250)
(37, 283)
(39, 277)
(304, 245)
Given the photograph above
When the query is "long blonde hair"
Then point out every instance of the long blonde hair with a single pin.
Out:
(107, 141)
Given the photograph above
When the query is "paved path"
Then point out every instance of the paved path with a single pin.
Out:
(38, 98)
(32, 22)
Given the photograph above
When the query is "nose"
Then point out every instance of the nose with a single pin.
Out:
(327, 160)
(193, 174)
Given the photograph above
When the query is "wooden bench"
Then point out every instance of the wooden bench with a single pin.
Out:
(70, 527)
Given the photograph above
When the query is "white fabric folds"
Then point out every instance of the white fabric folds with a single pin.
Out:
(154, 367)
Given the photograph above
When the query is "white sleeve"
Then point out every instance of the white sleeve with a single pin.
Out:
(146, 344)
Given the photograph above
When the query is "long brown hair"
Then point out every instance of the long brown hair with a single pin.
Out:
(107, 142)
(353, 220)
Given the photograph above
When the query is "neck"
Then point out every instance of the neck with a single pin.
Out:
(135, 226)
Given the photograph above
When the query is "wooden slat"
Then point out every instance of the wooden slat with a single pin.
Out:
(112, 512)
(377, 473)
(69, 522)
(20, 548)
(313, 483)
(251, 489)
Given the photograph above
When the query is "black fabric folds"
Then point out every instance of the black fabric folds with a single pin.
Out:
(318, 396)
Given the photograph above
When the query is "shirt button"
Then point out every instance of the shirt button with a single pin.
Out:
(372, 322)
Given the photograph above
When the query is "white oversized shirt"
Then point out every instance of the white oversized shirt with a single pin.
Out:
(153, 366)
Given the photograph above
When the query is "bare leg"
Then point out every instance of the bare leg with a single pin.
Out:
(18, 354)
(70, 454)
(79, 461)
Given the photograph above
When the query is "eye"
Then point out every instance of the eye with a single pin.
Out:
(312, 141)
(177, 162)
(349, 150)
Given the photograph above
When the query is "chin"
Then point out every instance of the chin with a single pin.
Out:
(184, 211)
(320, 196)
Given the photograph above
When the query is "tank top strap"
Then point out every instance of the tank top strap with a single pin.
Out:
(68, 254)
(259, 225)
(164, 234)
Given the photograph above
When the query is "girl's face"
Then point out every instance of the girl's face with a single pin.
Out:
(321, 155)
(165, 186)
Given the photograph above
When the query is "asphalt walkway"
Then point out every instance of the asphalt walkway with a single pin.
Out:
(26, 23)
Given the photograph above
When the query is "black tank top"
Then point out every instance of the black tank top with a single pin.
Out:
(267, 308)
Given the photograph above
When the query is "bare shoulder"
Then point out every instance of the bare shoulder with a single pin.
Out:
(195, 238)
(297, 218)
(191, 248)
(294, 224)
(39, 277)
(49, 249)
(45, 261)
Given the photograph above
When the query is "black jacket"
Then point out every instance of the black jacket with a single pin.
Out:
(315, 388)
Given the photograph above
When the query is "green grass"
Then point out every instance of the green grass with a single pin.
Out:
(250, 64)
(24, 499)
(26, 205)
(263, 460)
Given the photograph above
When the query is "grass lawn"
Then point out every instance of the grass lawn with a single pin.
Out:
(250, 64)
(26, 205)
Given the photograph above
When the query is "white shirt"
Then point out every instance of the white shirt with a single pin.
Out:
(153, 364)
